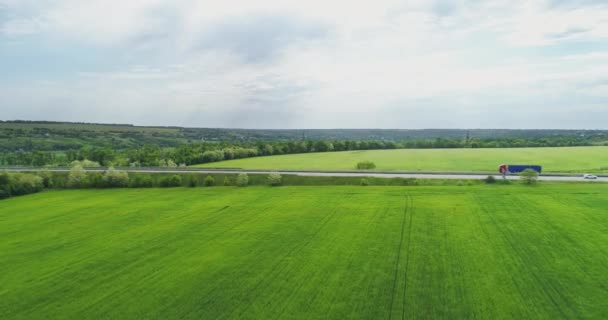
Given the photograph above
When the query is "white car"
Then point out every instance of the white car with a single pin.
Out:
(589, 176)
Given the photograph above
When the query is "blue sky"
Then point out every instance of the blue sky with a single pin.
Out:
(307, 64)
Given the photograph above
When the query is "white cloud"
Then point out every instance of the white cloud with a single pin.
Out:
(236, 63)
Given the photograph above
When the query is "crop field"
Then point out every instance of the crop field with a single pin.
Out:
(566, 159)
(442, 252)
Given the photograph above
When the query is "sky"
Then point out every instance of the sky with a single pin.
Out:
(307, 64)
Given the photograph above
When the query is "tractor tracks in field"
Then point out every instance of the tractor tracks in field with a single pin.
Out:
(406, 227)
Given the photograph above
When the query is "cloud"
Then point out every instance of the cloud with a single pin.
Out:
(568, 4)
(272, 63)
(261, 38)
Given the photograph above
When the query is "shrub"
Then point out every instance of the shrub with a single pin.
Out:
(242, 180)
(227, 181)
(528, 176)
(193, 181)
(113, 178)
(171, 181)
(77, 177)
(364, 182)
(141, 181)
(409, 182)
(5, 185)
(460, 183)
(27, 183)
(171, 164)
(274, 179)
(366, 165)
(47, 177)
(94, 180)
(490, 180)
(85, 163)
(209, 181)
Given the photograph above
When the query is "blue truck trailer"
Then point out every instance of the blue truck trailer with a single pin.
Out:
(517, 168)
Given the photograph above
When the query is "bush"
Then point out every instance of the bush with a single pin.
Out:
(364, 182)
(460, 183)
(171, 164)
(490, 180)
(5, 185)
(192, 181)
(26, 184)
(113, 178)
(209, 181)
(366, 165)
(227, 181)
(77, 177)
(85, 163)
(242, 180)
(409, 182)
(171, 181)
(274, 179)
(47, 177)
(141, 181)
(528, 176)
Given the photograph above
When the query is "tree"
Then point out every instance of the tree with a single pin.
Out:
(274, 179)
(77, 177)
(529, 176)
(242, 180)
(113, 178)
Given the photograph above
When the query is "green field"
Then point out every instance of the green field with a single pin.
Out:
(567, 159)
(487, 252)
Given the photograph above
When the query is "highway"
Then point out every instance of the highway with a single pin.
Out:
(424, 175)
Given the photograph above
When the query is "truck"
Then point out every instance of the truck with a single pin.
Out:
(505, 169)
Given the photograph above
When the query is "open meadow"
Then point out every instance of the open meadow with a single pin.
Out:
(422, 252)
(564, 159)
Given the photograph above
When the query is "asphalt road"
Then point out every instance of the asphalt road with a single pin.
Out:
(455, 176)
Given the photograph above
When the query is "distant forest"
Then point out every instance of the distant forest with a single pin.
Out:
(39, 143)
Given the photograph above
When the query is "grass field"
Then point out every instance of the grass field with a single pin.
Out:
(486, 252)
(568, 159)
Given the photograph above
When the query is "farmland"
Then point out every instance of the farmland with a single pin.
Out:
(501, 251)
(564, 159)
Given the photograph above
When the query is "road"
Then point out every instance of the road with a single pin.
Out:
(427, 175)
